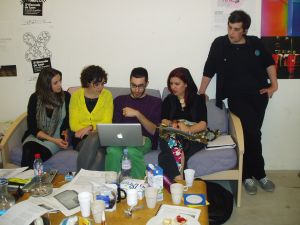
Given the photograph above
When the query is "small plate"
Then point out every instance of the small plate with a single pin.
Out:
(194, 199)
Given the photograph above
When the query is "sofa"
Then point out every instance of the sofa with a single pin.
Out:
(221, 164)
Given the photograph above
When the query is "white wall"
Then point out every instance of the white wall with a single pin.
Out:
(119, 35)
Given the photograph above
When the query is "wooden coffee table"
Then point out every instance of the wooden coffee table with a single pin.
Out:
(139, 217)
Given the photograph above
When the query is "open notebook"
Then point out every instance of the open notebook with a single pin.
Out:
(221, 142)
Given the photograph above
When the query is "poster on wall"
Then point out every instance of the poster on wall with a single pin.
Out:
(280, 32)
(8, 70)
(39, 64)
(223, 8)
(31, 8)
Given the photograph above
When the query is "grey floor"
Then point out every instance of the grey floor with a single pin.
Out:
(282, 207)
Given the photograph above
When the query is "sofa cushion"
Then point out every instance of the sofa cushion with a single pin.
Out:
(64, 161)
(15, 155)
(216, 118)
(203, 162)
(207, 162)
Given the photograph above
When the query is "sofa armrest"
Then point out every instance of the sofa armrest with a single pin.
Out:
(236, 132)
(13, 138)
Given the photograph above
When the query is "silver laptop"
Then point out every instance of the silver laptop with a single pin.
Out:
(120, 134)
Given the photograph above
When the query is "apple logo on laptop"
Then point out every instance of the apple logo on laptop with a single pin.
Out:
(120, 135)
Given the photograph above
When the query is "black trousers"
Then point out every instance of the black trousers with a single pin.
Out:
(166, 159)
(30, 148)
(251, 111)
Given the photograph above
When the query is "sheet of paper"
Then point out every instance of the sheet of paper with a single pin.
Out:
(85, 177)
(22, 213)
(8, 173)
(176, 210)
(81, 182)
(26, 174)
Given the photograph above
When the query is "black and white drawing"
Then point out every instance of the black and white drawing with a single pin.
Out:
(37, 46)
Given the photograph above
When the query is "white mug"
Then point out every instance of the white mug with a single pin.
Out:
(177, 192)
(132, 197)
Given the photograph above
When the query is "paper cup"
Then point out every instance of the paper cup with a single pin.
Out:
(151, 196)
(98, 207)
(189, 177)
(84, 199)
(177, 192)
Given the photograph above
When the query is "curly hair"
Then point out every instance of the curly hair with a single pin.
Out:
(92, 74)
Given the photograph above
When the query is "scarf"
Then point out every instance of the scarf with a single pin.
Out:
(44, 123)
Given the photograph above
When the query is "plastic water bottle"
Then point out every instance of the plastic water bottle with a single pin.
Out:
(125, 166)
(38, 167)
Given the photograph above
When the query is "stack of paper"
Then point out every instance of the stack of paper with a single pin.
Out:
(221, 142)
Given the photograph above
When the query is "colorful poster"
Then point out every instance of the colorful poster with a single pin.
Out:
(280, 31)
(221, 10)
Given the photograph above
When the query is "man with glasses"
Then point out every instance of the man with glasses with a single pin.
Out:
(136, 107)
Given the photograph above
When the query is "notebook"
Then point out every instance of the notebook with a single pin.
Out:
(221, 142)
(120, 134)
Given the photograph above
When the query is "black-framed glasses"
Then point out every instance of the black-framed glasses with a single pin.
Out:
(140, 86)
(96, 84)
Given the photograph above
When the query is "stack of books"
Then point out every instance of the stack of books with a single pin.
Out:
(221, 142)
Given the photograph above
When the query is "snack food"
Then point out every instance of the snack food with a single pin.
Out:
(178, 220)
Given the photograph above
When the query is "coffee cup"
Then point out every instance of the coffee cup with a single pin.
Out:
(151, 196)
(177, 190)
(84, 199)
(98, 208)
(132, 197)
(189, 177)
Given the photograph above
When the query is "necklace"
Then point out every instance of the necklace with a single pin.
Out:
(182, 103)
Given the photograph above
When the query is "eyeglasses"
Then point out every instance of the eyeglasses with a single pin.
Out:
(96, 84)
(140, 86)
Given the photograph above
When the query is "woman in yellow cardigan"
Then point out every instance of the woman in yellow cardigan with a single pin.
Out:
(90, 105)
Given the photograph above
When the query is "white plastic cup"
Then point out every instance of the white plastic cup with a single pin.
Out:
(189, 175)
(98, 207)
(84, 199)
(132, 197)
(177, 192)
(151, 196)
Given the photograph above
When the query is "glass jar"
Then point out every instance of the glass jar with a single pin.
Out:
(6, 199)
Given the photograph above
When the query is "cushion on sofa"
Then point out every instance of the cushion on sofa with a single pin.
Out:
(217, 118)
(207, 162)
(64, 161)
(203, 162)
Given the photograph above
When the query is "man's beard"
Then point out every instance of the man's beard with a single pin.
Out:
(141, 95)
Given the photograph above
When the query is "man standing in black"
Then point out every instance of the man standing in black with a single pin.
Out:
(243, 67)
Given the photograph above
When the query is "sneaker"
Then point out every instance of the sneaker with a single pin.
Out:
(266, 184)
(250, 186)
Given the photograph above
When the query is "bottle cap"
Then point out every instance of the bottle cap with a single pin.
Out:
(37, 155)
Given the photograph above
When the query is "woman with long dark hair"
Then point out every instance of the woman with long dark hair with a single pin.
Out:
(185, 110)
(47, 118)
